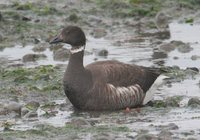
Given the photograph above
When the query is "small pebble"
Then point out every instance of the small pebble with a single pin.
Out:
(32, 57)
(24, 111)
(99, 33)
(162, 20)
(1, 17)
(103, 52)
(40, 47)
(194, 102)
(165, 134)
(13, 106)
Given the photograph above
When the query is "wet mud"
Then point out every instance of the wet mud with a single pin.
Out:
(162, 35)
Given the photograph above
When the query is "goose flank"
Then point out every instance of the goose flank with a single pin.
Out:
(103, 85)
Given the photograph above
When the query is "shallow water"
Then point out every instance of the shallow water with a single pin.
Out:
(188, 34)
(140, 53)
(152, 119)
(125, 53)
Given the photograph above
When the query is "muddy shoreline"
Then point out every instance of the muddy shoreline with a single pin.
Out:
(32, 101)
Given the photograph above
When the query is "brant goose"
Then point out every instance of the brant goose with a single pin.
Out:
(104, 85)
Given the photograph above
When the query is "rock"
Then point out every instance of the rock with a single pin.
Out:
(40, 47)
(170, 126)
(194, 102)
(1, 36)
(191, 139)
(103, 52)
(25, 18)
(181, 47)
(73, 17)
(163, 34)
(175, 57)
(1, 17)
(24, 111)
(28, 57)
(185, 48)
(135, 40)
(13, 107)
(146, 137)
(160, 34)
(165, 135)
(162, 20)
(188, 133)
(37, 20)
(99, 33)
(32, 57)
(31, 114)
(195, 57)
(3, 111)
(36, 41)
(32, 105)
(167, 47)
(193, 69)
(159, 55)
(172, 101)
(61, 54)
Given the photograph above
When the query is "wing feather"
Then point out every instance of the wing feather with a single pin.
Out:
(117, 85)
(122, 75)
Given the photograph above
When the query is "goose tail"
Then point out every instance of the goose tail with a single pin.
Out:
(157, 83)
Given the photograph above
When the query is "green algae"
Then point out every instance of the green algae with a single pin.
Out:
(48, 105)
(168, 102)
(24, 22)
(25, 6)
(179, 74)
(38, 80)
(39, 9)
(159, 104)
(47, 131)
(131, 8)
(189, 20)
(46, 10)
(42, 78)
(73, 17)
(141, 8)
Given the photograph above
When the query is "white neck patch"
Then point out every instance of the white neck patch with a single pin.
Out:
(81, 48)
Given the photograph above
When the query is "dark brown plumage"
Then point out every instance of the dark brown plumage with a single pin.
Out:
(103, 85)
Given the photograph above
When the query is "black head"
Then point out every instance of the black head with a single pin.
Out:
(72, 35)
